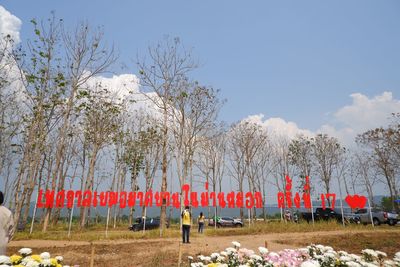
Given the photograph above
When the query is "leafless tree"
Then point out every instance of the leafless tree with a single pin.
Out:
(164, 72)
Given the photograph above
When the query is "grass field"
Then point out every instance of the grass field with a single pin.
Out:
(98, 232)
(127, 248)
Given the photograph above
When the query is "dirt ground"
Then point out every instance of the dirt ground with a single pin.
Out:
(165, 252)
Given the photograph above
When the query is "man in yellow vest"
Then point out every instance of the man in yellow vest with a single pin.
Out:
(186, 221)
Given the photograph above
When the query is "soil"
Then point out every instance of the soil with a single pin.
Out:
(165, 252)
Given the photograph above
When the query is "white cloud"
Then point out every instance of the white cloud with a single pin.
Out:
(9, 24)
(119, 86)
(278, 126)
(362, 114)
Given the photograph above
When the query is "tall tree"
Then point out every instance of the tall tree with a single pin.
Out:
(167, 68)
(327, 152)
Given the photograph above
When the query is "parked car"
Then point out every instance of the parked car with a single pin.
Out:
(226, 222)
(147, 224)
(378, 217)
(330, 214)
(320, 214)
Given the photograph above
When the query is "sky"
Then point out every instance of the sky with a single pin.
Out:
(293, 66)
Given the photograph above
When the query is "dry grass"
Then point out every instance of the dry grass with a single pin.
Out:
(95, 233)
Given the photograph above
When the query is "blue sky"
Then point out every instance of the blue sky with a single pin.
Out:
(296, 60)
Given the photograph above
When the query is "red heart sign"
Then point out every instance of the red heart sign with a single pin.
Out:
(356, 201)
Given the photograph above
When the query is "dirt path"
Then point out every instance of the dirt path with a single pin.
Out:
(164, 252)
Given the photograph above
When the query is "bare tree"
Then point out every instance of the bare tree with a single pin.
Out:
(165, 71)
(382, 146)
(245, 139)
(327, 152)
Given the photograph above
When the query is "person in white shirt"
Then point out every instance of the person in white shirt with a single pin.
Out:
(6, 226)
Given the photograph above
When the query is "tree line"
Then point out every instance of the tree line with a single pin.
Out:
(62, 128)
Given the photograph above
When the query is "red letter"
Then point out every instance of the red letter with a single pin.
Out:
(87, 198)
(175, 200)
(212, 195)
(307, 200)
(204, 199)
(323, 201)
(221, 199)
(149, 199)
(297, 200)
(231, 199)
(122, 200)
(281, 200)
(49, 199)
(333, 199)
(60, 199)
(193, 200)
(132, 199)
(140, 197)
(239, 200)
(112, 199)
(185, 191)
(70, 199)
(103, 199)
(78, 194)
(249, 200)
(94, 199)
(39, 201)
(259, 200)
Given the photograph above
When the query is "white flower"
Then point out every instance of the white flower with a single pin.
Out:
(310, 264)
(345, 258)
(207, 259)
(45, 255)
(236, 244)
(263, 250)
(381, 254)
(224, 253)
(370, 252)
(389, 263)
(343, 253)
(25, 251)
(59, 259)
(32, 264)
(256, 257)
(220, 259)
(355, 257)
(330, 255)
(5, 260)
(230, 251)
(368, 264)
(397, 255)
(327, 248)
(353, 264)
(214, 255)
(273, 255)
(46, 262)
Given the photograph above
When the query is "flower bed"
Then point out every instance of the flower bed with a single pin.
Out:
(311, 256)
(27, 259)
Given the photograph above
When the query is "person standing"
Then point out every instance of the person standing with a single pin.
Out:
(200, 221)
(186, 222)
(6, 226)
